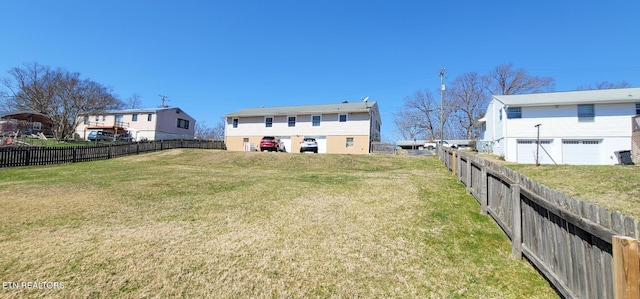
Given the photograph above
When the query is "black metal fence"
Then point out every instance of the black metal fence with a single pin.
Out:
(25, 156)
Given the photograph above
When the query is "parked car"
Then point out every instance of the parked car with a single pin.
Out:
(100, 136)
(309, 145)
(434, 144)
(270, 143)
(124, 136)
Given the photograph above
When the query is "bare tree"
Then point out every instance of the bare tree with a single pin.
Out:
(134, 101)
(469, 100)
(409, 124)
(60, 95)
(205, 132)
(427, 106)
(504, 80)
(465, 100)
(605, 85)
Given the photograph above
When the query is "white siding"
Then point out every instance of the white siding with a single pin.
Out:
(611, 125)
(357, 124)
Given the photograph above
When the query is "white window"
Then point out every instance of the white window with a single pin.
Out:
(342, 118)
(291, 120)
(37, 126)
(149, 117)
(349, 142)
(268, 122)
(235, 122)
(134, 117)
(315, 120)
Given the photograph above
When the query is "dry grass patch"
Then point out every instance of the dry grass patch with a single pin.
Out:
(198, 223)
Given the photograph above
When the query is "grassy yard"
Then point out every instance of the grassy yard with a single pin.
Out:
(205, 223)
(616, 187)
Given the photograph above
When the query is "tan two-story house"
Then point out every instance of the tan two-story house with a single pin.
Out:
(343, 128)
(141, 124)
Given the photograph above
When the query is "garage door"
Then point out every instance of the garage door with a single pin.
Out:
(581, 152)
(286, 141)
(526, 151)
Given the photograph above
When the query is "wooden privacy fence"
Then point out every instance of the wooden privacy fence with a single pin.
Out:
(25, 156)
(584, 250)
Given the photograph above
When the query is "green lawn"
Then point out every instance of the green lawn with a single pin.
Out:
(616, 187)
(217, 224)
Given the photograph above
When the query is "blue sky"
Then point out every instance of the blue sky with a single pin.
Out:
(215, 57)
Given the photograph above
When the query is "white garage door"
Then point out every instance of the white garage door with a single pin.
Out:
(581, 152)
(322, 143)
(286, 141)
(526, 151)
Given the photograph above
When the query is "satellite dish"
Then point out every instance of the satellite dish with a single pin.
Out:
(365, 99)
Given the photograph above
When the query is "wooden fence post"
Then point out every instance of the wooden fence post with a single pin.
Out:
(484, 189)
(453, 163)
(626, 279)
(459, 167)
(469, 180)
(516, 230)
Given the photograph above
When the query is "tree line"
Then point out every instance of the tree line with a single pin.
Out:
(465, 101)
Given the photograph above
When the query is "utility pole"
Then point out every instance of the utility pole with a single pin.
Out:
(441, 107)
(164, 98)
(538, 145)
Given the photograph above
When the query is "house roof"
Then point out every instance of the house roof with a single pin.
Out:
(8, 113)
(619, 95)
(305, 109)
(141, 110)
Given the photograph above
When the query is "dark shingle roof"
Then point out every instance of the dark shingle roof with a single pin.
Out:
(305, 109)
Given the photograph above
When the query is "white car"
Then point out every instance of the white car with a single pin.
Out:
(433, 145)
(309, 145)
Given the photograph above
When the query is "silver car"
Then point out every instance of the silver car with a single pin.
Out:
(309, 145)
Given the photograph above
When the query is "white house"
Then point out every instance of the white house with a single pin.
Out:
(142, 124)
(575, 127)
(338, 128)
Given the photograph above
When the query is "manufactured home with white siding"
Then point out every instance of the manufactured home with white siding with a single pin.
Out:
(346, 128)
(574, 127)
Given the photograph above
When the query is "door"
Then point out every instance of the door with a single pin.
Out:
(581, 151)
(119, 120)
